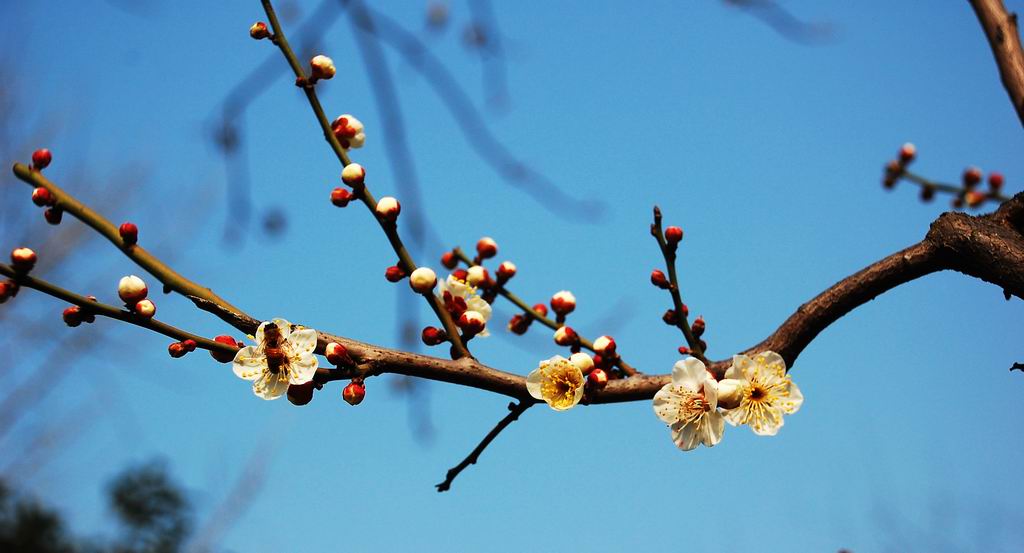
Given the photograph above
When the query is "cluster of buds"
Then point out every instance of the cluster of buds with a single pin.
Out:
(22, 261)
(133, 291)
(41, 196)
(75, 315)
(519, 324)
(966, 193)
(179, 349)
(354, 175)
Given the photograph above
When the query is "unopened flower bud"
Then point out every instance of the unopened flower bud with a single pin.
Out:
(730, 392)
(563, 302)
(907, 153)
(433, 336)
(658, 279)
(394, 273)
(145, 308)
(423, 280)
(974, 198)
(322, 67)
(605, 346)
(477, 276)
(519, 324)
(176, 350)
(340, 197)
(337, 354)
(349, 131)
(129, 233)
(486, 247)
(23, 259)
(301, 394)
(73, 316)
(927, 193)
(259, 31)
(189, 344)
(597, 379)
(449, 260)
(354, 393)
(42, 197)
(958, 202)
(224, 356)
(670, 317)
(388, 208)
(460, 274)
(53, 215)
(698, 327)
(673, 235)
(583, 361)
(41, 158)
(683, 350)
(132, 289)
(972, 176)
(995, 181)
(7, 289)
(472, 322)
(540, 309)
(598, 360)
(353, 174)
(506, 270)
(565, 336)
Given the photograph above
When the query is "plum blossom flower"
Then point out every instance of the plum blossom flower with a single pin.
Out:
(459, 297)
(557, 381)
(766, 392)
(283, 355)
(689, 405)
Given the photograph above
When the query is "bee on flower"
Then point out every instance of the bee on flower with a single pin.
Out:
(689, 405)
(283, 355)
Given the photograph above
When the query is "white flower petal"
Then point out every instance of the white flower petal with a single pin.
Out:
(248, 363)
(302, 341)
(476, 303)
(711, 391)
(773, 361)
(689, 373)
(738, 370)
(667, 404)
(712, 428)
(533, 384)
(270, 386)
(302, 368)
(773, 422)
(792, 403)
(685, 436)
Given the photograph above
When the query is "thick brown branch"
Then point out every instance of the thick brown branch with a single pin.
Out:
(515, 409)
(1001, 30)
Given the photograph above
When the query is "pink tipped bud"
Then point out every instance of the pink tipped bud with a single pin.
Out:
(972, 176)
(597, 379)
(449, 260)
(341, 197)
(540, 309)
(42, 197)
(519, 324)
(683, 350)
(605, 345)
(433, 336)
(995, 181)
(506, 270)
(658, 279)
(486, 247)
(394, 273)
(563, 302)
(565, 336)
(460, 274)
(673, 235)
(145, 308)
(423, 280)
(583, 362)
(353, 174)
(224, 356)
(23, 259)
(698, 327)
(189, 345)
(7, 289)
(73, 316)
(132, 289)
(301, 394)
(176, 350)
(259, 31)
(388, 208)
(354, 393)
(477, 276)
(472, 322)
(53, 215)
(670, 317)
(41, 158)
(129, 233)
(927, 193)
(322, 67)
(907, 153)
(974, 198)
(337, 354)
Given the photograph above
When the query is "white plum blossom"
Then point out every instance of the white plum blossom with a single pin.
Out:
(765, 392)
(455, 293)
(558, 382)
(283, 355)
(689, 405)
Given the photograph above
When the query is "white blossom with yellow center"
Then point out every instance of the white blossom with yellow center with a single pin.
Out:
(689, 405)
(558, 382)
(282, 356)
(474, 302)
(765, 395)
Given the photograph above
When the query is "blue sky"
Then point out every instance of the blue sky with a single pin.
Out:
(767, 151)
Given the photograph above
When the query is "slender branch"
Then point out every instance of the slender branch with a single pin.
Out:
(167, 276)
(1003, 37)
(112, 312)
(515, 409)
(948, 188)
(682, 322)
(529, 312)
(362, 192)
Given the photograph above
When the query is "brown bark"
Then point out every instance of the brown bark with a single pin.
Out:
(1001, 30)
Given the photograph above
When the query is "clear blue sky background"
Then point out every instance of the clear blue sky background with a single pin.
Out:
(767, 151)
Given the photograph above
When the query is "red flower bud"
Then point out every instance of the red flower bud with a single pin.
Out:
(394, 273)
(353, 174)
(176, 350)
(506, 270)
(433, 336)
(565, 336)
(563, 302)
(605, 346)
(597, 379)
(519, 324)
(486, 247)
(927, 193)
(259, 31)
(388, 208)
(995, 181)
(471, 323)
(145, 308)
(301, 394)
(354, 393)
(23, 259)
(460, 274)
(669, 317)
(53, 215)
(698, 327)
(683, 350)
(337, 355)
(658, 279)
(73, 316)
(42, 197)
(972, 176)
(7, 289)
(449, 260)
(974, 198)
(341, 197)
(41, 158)
(540, 309)
(673, 235)
(129, 233)
(189, 344)
(907, 153)
(224, 356)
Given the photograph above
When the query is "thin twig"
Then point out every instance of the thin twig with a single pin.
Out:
(1003, 37)
(669, 253)
(515, 409)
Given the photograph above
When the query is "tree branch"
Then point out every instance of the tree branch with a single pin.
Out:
(1001, 30)
(515, 409)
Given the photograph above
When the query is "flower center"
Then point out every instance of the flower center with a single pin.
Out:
(560, 386)
(757, 393)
